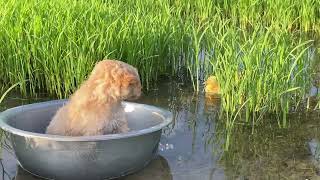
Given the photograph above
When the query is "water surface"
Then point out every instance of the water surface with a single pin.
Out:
(192, 147)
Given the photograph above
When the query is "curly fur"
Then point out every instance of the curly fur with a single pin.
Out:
(95, 108)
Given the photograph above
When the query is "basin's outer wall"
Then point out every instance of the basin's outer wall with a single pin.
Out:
(104, 159)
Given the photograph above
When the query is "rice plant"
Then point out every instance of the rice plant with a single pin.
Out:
(55, 44)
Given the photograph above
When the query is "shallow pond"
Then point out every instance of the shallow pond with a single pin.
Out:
(191, 148)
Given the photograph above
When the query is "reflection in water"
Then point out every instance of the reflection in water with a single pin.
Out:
(158, 169)
(191, 147)
(272, 153)
(189, 144)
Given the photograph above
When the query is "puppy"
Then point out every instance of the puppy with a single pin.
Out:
(95, 108)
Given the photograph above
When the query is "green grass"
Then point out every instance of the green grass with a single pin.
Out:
(260, 51)
(55, 44)
(262, 72)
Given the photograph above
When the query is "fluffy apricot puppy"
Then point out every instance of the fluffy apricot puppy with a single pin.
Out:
(95, 108)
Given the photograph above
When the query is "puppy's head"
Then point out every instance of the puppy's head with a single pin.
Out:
(130, 85)
(116, 80)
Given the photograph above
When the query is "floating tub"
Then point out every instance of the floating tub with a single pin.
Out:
(83, 157)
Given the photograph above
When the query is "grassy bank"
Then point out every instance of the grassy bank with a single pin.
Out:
(262, 52)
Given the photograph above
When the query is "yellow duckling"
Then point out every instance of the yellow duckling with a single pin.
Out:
(212, 90)
(212, 85)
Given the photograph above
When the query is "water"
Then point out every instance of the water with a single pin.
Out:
(192, 147)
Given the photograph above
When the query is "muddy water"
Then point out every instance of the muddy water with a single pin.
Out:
(192, 147)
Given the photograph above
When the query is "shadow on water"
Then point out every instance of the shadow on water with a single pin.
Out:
(192, 147)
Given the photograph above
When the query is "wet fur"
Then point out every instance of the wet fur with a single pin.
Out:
(95, 108)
